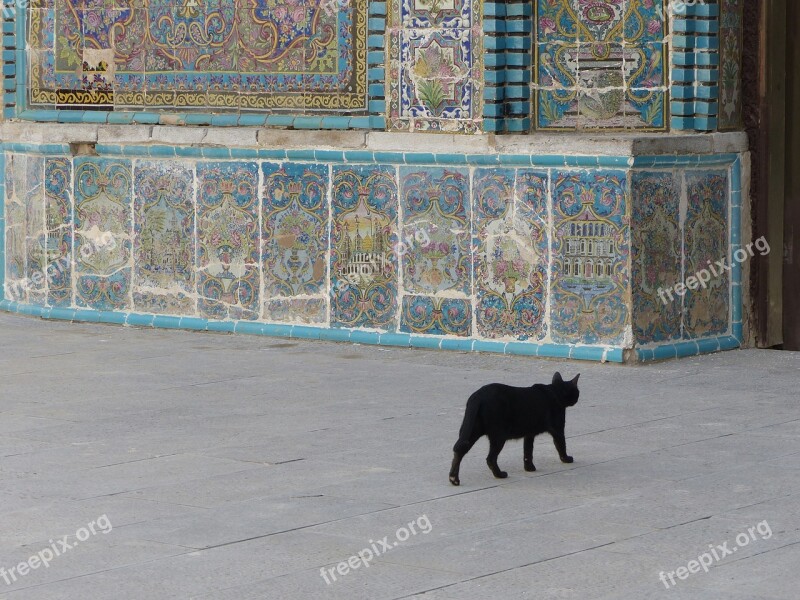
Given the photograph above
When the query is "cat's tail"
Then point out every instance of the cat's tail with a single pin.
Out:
(467, 433)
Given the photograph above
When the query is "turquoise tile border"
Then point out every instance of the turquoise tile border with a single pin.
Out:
(402, 340)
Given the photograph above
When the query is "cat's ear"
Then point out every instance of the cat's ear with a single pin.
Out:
(574, 380)
(557, 378)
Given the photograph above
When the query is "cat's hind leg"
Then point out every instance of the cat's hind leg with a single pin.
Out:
(495, 447)
(527, 453)
(459, 450)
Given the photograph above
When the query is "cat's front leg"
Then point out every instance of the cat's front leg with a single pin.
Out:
(527, 453)
(561, 446)
(495, 447)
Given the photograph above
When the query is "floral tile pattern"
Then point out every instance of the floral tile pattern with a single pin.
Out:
(436, 257)
(706, 309)
(363, 239)
(58, 215)
(590, 288)
(656, 256)
(435, 65)
(227, 240)
(16, 284)
(730, 35)
(436, 316)
(102, 246)
(600, 64)
(163, 247)
(511, 253)
(295, 242)
(225, 54)
(35, 231)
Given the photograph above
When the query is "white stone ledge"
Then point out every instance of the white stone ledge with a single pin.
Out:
(587, 144)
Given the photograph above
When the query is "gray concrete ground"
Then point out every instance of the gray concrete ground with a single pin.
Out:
(236, 467)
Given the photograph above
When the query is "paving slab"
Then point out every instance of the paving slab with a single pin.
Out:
(240, 467)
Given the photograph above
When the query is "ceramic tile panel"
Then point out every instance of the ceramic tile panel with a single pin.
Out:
(16, 285)
(706, 308)
(228, 280)
(600, 64)
(164, 242)
(435, 250)
(511, 253)
(364, 236)
(223, 54)
(590, 288)
(58, 214)
(102, 245)
(295, 242)
(435, 65)
(656, 255)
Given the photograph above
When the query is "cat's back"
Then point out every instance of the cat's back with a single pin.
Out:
(495, 390)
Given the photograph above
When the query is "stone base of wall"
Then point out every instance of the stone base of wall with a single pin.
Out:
(561, 247)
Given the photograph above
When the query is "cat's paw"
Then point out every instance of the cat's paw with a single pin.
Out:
(501, 475)
(529, 467)
(455, 480)
(567, 459)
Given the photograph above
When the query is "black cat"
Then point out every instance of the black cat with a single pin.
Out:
(503, 412)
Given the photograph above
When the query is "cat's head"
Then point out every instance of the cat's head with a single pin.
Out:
(567, 391)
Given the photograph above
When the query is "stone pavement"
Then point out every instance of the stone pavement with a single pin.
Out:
(236, 467)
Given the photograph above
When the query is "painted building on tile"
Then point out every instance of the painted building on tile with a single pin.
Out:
(513, 176)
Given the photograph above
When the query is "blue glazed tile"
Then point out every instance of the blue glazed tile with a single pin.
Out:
(705, 346)
(364, 337)
(139, 320)
(485, 346)
(395, 339)
(249, 327)
(664, 352)
(118, 318)
(335, 335)
(86, 315)
(276, 330)
(587, 353)
(522, 349)
(683, 349)
(454, 344)
(194, 323)
(421, 341)
(221, 326)
(554, 350)
(166, 322)
(306, 333)
(67, 314)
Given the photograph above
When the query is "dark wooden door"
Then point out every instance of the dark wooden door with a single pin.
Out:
(791, 207)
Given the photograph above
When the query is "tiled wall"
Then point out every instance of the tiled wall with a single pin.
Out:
(548, 255)
(407, 65)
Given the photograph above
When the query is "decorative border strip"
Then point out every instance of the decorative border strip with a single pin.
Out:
(402, 340)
